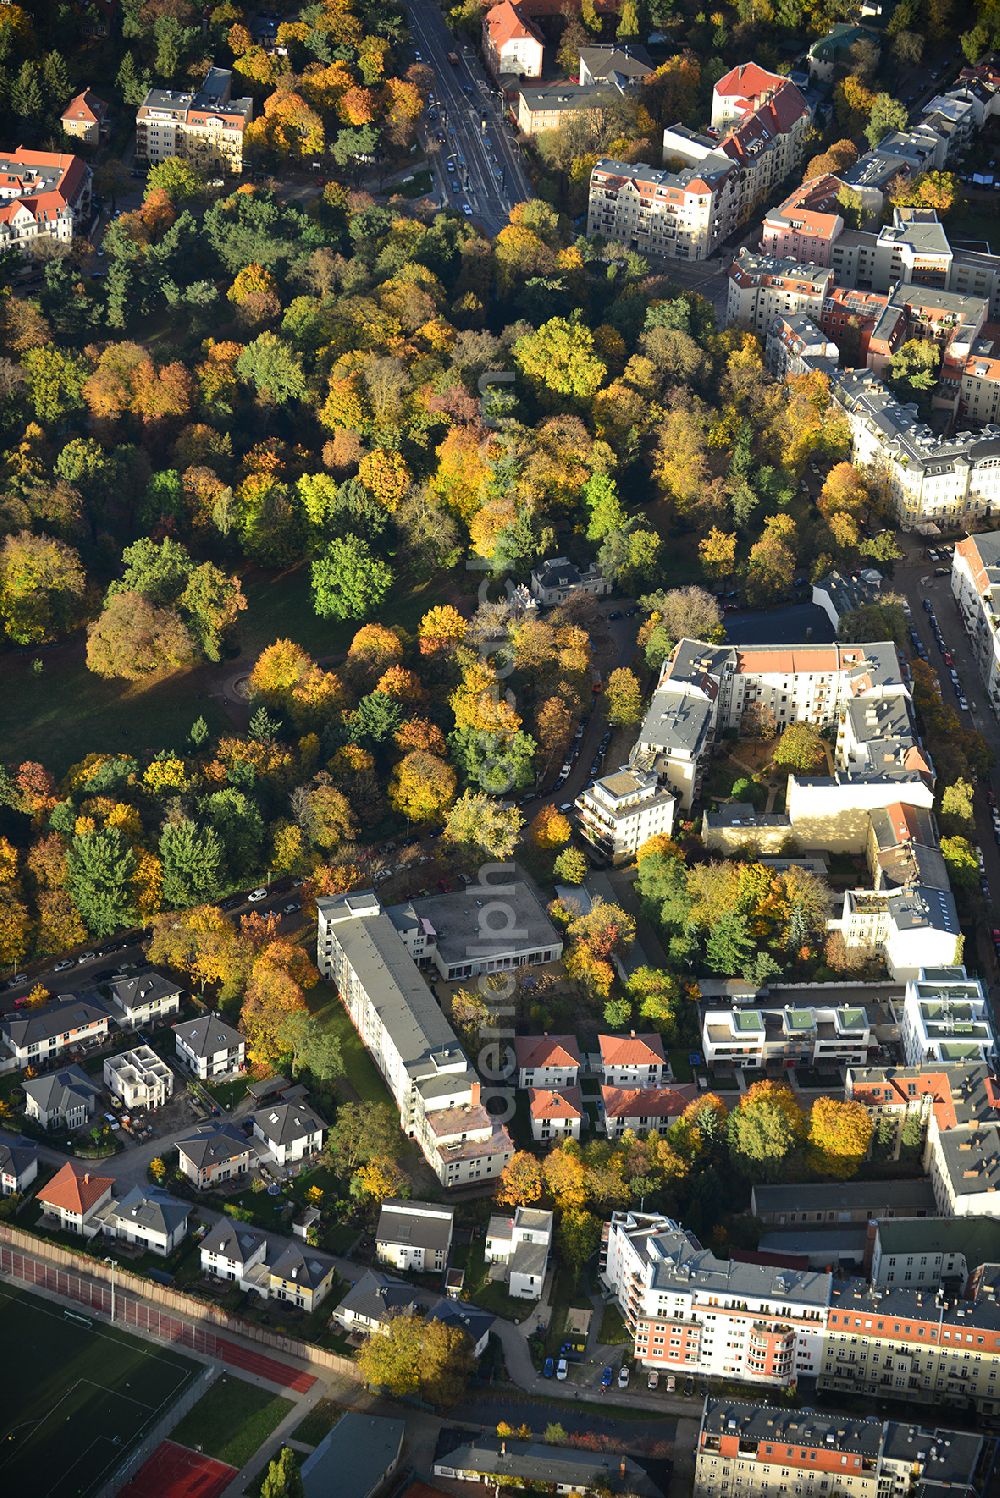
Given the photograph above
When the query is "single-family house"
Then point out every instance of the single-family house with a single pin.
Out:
(521, 1244)
(300, 1275)
(414, 1235)
(547, 1060)
(373, 1301)
(208, 1047)
(64, 1099)
(38, 1035)
(144, 999)
(213, 1154)
(18, 1166)
(644, 1110)
(291, 1131)
(558, 579)
(555, 1114)
(148, 1217)
(236, 1252)
(73, 1199)
(139, 1078)
(512, 44)
(475, 1322)
(84, 117)
(633, 1060)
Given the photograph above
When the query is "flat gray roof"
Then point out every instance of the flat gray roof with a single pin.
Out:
(481, 921)
(354, 1458)
(843, 1196)
(422, 1226)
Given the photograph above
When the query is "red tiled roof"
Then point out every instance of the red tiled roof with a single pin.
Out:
(647, 1102)
(546, 1050)
(631, 1050)
(505, 22)
(74, 1189)
(747, 81)
(893, 1093)
(546, 1103)
(86, 106)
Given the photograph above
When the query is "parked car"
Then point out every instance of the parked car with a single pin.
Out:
(255, 895)
(615, 614)
(548, 1368)
(562, 1369)
(607, 1378)
(653, 1379)
(623, 1374)
(688, 1386)
(671, 1383)
(85, 957)
(61, 967)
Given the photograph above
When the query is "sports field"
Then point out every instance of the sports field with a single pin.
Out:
(75, 1396)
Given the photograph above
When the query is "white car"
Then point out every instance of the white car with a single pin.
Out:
(85, 957)
(623, 1376)
(963, 704)
(255, 895)
(467, 210)
(562, 1368)
(653, 1379)
(61, 967)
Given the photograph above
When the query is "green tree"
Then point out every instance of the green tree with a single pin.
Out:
(192, 862)
(604, 507)
(273, 369)
(560, 358)
(26, 95)
(282, 1478)
(913, 369)
(362, 1132)
(100, 868)
(174, 175)
(658, 996)
(577, 1239)
(42, 585)
(418, 1357)
(484, 822)
(55, 77)
(348, 582)
(628, 21)
(956, 806)
(132, 85)
(765, 1130)
(571, 866)
(54, 382)
(624, 697)
(240, 829)
(887, 114)
(960, 858)
(729, 948)
(312, 1047)
(800, 747)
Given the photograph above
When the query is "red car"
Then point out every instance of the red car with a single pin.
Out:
(948, 658)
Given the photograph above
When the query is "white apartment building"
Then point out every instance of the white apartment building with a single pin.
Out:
(139, 1078)
(521, 1244)
(762, 288)
(946, 1017)
(512, 44)
(411, 1042)
(459, 933)
(795, 345)
(633, 1060)
(916, 927)
(620, 812)
(414, 1235)
(759, 1451)
(975, 584)
(559, 579)
(144, 999)
(44, 195)
(551, 1061)
(36, 1036)
(555, 1115)
(208, 1047)
(148, 1218)
(759, 1036)
(207, 127)
(691, 1312)
(932, 1253)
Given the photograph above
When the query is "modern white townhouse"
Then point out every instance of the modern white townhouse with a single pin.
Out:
(414, 1235)
(551, 1061)
(144, 999)
(64, 1099)
(946, 1017)
(209, 1048)
(37, 1036)
(521, 1243)
(360, 949)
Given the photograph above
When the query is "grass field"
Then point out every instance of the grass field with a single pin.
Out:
(75, 1395)
(361, 1076)
(231, 1421)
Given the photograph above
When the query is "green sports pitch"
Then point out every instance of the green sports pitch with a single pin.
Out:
(76, 1395)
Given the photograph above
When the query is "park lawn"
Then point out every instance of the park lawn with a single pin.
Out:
(232, 1420)
(361, 1077)
(72, 1384)
(319, 1422)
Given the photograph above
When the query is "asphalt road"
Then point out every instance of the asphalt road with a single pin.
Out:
(490, 176)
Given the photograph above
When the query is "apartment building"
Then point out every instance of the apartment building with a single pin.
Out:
(806, 225)
(839, 593)
(548, 106)
(206, 127)
(547, 1061)
(459, 933)
(621, 64)
(411, 1042)
(946, 1017)
(208, 1047)
(907, 1344)
(796, 346)
(633, 1060)
(932, 1253)
(810, 1204)
(682, 215)
(643, 1110)
(975, 585)
(559, 579)
(84, 118)
(929, 478)
(555, 1115)
(758, 1452)
(39, 1035)
(43, 195)
(783, 1037)
(763, 287)
(620, 812)
(512, 44)
(143, 999)
(691, 1312)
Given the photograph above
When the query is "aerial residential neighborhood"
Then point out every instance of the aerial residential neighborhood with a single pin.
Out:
(499, 749)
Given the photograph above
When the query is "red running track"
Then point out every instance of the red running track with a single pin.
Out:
(175, 1472)
(264, 1367)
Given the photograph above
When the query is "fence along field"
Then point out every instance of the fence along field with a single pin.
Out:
(75, 1396)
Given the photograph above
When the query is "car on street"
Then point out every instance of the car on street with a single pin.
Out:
(292, 907)
(562, 1369)
(928, 606)
(607, 1378)
(615, 614)
(85, 957)
(948, 658)
(996, 940)
(255, 895)
(623, 1374)
(963, 703)
(566, 806)
(940, 571)
(548, 1367)
(984, 887)
(467, 210)
(61, 967)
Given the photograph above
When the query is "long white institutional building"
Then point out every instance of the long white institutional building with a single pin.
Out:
(360, 949)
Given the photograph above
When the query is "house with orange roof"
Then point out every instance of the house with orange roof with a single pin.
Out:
(742, 90)
(85, 118)
(547, 1060)
(512, 44)
(555, 1114)
(633, 1060)
(43, 195)
(74, 1198)
(644, 1110)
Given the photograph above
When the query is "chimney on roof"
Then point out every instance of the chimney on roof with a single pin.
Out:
(86, 1177)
